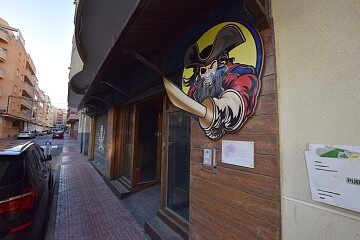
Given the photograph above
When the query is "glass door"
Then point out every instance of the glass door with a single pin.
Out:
(147, 144)
(178, 163)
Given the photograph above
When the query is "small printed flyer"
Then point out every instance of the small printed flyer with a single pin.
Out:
(238, 153)
(334, 174)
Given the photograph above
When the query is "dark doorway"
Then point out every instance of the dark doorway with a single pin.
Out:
(148, 137)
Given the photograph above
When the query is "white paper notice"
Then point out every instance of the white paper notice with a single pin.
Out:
(238, 153)
(334, 174)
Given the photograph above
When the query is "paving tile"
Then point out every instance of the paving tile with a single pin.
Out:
(86, 207)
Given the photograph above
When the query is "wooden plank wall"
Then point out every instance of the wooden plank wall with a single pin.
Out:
(237, 202)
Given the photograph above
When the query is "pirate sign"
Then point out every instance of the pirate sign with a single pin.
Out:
(221, 78)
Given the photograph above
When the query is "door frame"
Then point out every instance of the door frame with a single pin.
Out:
(172, 219)
(119, 153)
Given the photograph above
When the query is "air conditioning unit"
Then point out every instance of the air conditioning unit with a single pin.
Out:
(2, 111)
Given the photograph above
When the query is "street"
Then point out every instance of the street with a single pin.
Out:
(56, 149)
(56, 145)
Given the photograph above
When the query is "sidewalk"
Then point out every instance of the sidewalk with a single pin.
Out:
(86, 207)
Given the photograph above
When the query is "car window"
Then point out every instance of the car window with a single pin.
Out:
(33, 167)
(38, 157)
(11, 170)
(41, 153)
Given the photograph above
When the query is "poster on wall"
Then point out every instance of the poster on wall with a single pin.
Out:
(100, 139)
(239, 153)
(334, 174)
(221, 77)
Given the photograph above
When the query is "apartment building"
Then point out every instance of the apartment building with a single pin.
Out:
(49, 109)
(60, 117)
(22, 102)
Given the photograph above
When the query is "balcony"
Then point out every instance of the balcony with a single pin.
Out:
(4, 36)
(2, 73)
(3, 54)
(73, 118)
(28, 89)
(29, 77)
(27, 103)
(30, 65)
(26, 114)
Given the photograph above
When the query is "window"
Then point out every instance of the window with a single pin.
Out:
(31, 162)
(178, 163)
(39, 156)
(11, 170)
(35, 159)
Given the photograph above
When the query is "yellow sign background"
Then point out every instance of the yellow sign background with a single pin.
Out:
(245, 53)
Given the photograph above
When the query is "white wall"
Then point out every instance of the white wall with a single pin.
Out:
(318, 72)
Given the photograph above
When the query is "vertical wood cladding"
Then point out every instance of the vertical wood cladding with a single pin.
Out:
(237, 202)
(234, 202)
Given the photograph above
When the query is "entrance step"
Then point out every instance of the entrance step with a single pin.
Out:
(158, 230)
(120, 190)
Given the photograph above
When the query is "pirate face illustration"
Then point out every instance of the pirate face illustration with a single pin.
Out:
(208, 72)
(223, 93)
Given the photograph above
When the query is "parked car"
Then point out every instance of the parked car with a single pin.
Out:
(33, 133)
(26, 190)
(25, 134)
(42, 133)
(58, 134)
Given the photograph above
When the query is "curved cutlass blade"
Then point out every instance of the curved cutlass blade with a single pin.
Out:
(182, 101)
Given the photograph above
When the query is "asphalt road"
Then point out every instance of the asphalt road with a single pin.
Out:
(56, 145)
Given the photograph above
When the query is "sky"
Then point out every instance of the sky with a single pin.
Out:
(47, 27)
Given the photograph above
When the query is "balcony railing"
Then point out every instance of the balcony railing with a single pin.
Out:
(30, 77)
(26, 114)
(29, 89)
(3, 54)
(30, 65)
(27, 103)
(4, 36)
(2, 73)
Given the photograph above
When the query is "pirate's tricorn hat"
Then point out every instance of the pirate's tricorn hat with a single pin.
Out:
(226, 39)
